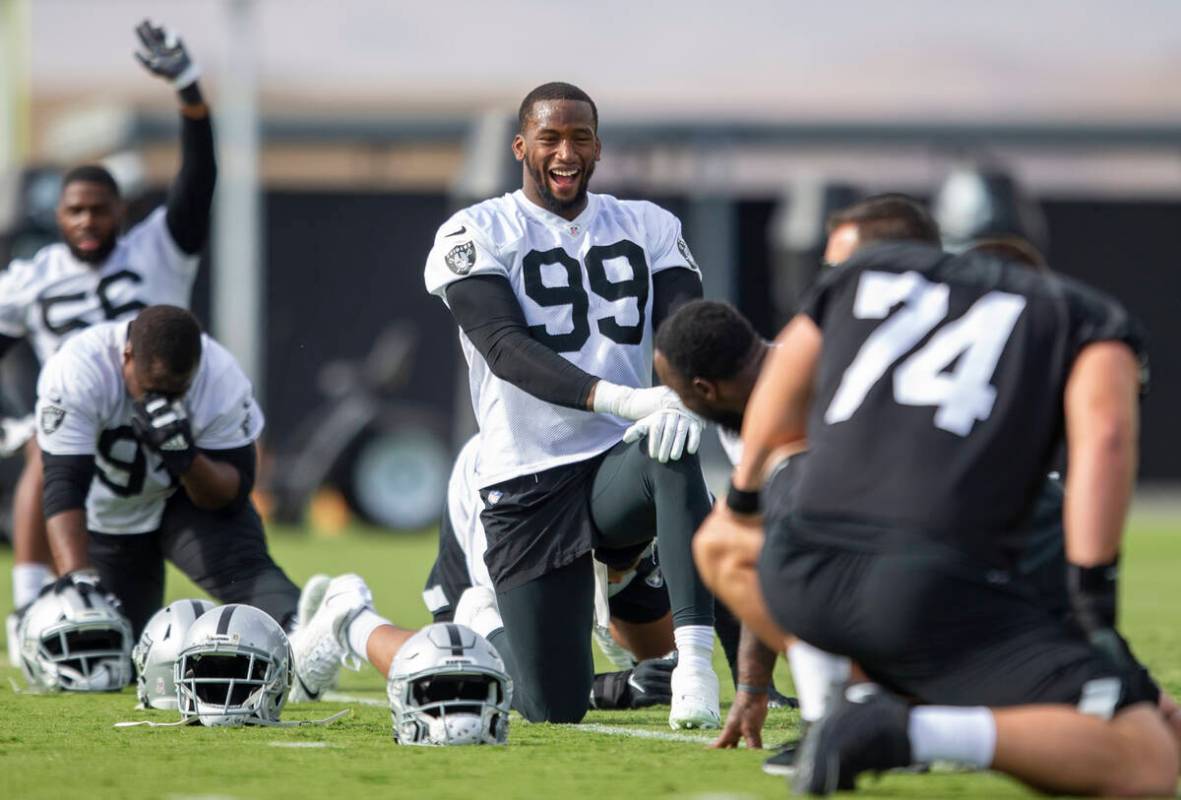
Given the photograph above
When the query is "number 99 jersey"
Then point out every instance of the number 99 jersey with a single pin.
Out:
(939, 393)
(584, 286)
(83, 408)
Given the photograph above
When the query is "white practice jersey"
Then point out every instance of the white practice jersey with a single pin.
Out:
(585, 288)
(53, 295)
(83, 408)
(463, 507)
(731, 445)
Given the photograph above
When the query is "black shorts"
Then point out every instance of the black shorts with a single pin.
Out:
(929, 622)
(223, 553)
(645, 598)
(538, 523)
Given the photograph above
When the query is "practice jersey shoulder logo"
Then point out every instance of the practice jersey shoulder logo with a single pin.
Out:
(686, 254)
(461, 258)
(51, 419)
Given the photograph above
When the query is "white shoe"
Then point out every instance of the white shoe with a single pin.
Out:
(695, 698)
(311, 598)
(477, 610)
(320, 646)
(12, 630)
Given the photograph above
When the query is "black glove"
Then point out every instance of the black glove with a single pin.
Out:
(649, 683)
(162, 426)
(86, 581)
(164, 55)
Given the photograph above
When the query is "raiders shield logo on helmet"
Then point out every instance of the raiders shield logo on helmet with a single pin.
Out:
(684, 248)
(51, 419)
(462, 258)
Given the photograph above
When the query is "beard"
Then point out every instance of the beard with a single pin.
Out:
(554, 204)
(730, 420)
(96, 256)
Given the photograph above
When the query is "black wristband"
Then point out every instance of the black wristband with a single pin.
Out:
(191, 95)
(741, 501)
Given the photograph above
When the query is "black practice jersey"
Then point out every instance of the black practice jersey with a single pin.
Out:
(939, 397)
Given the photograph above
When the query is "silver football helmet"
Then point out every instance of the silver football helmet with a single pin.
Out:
(448, 686)
(233, 668)
(157, 650)
(75, 639)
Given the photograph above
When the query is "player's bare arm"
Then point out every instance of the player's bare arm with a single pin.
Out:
(777, 412)
(67, 540)
(748, 712)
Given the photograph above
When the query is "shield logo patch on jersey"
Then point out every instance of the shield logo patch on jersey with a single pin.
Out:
(461, 258)
(51, 419)
(688, 256)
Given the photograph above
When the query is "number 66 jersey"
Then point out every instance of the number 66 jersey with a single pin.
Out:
(960, 364)
(585, 289)
(83, 409)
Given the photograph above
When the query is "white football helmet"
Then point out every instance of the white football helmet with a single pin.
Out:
(233, 668)
(158, 648)
(75, 639)
(447, 686)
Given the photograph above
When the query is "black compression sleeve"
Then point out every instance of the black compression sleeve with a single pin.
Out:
(671, 289)
(243, 459)
(67, 480)
(191, 196)
(489, 314)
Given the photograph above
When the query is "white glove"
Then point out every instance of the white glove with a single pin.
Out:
(671, 433)
(631, 403)
(14, 432)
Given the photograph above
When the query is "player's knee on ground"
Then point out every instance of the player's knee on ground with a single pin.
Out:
(1150, 762)
(565, 708)
(709, 548)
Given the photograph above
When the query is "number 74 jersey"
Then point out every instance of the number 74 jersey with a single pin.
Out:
(585, 288)
(939, 394)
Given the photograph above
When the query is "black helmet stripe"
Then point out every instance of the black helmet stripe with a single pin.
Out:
(456, 639)
(223, 624)
(196, 608)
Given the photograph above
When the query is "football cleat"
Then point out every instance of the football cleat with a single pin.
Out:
(695, 698)
(320, 646)
(311, 598)
(477, 610)
(783, 763)
(867, 731)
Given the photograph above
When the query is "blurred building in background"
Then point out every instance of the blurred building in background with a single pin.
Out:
(366, 122)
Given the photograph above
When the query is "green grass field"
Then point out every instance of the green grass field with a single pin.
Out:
(65, 745)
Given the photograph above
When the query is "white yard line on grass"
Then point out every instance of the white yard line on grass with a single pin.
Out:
(301, 745)
(585, 727)
(641, 733)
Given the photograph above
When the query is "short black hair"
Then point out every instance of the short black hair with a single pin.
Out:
(167, 336)
(890, 216)
(1017, 249)
(556, 90)
(91, 173)
(707, 339)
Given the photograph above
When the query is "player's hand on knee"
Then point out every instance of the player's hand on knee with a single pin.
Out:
(162, 426)
(164, 55)
(631, 403)
(745, 721)
(671, 433)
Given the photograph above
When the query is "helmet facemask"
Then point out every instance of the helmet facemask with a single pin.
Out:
(81, 657)
(227, 685)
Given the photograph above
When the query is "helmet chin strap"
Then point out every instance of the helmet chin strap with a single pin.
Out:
(265, 723)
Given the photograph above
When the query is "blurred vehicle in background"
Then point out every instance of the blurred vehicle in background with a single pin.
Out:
(389, 459)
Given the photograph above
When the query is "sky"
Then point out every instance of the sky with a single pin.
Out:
(998, 60)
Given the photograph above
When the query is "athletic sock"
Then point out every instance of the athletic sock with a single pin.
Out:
(816, 674)
(361, 628)
(944, 733)
(695, 646)
(27, 580)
